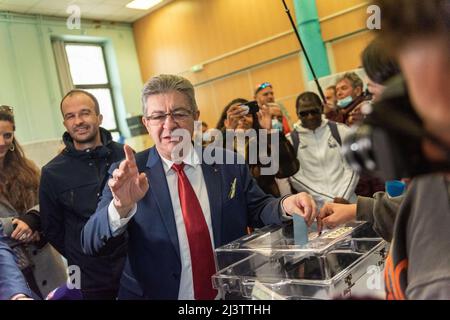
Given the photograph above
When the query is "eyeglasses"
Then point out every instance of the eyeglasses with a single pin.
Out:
(304, 114)
(263, 86)
(5, 108)
(159, 118)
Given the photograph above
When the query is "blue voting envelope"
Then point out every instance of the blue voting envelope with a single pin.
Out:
(300, 231)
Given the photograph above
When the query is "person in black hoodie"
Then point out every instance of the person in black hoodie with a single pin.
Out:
(70, 189)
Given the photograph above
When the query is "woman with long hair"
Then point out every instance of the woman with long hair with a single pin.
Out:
(19, 177)
(19, 214)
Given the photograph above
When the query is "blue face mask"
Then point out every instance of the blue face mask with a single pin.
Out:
(277, 125)
(344, 102)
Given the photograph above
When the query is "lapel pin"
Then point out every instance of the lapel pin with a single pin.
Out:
(232, 190)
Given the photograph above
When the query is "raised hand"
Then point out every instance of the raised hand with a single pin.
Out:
(264, 117)
(127, 185)
(234, 114)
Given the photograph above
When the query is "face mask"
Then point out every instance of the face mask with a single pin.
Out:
(344, 102)
(277, 125)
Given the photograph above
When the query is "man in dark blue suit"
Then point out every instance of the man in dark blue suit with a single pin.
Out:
(12, 282)
(174, 210)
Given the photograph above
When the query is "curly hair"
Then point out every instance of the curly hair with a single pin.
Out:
(19, 178)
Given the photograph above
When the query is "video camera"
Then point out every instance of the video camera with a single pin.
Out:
(389, 141)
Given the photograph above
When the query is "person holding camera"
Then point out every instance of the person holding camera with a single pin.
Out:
(418, 34)
(242, 115)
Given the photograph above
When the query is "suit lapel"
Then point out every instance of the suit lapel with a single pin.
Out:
(213, 181)
(158, 185)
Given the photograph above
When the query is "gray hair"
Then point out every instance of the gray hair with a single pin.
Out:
(354, 79)
(164, 83)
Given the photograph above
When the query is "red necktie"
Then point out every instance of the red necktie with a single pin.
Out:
(202, 259)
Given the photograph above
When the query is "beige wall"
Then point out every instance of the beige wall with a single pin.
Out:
(240, 44)
(347, 32)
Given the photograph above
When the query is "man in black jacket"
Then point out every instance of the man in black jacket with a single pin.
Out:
(70, 188)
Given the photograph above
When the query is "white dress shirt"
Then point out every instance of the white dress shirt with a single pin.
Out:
(194, 173)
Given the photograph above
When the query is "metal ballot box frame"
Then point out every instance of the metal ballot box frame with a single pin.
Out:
(347, 261)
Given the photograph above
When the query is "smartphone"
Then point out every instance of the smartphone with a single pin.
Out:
(252, 106)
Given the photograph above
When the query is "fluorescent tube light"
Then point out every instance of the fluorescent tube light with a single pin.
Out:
(143, 4)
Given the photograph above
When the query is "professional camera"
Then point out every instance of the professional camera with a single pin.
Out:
(389, 141)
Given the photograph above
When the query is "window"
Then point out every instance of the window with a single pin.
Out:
(88, 71)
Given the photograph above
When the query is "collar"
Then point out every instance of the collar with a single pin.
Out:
(191, 160)
(105, 137)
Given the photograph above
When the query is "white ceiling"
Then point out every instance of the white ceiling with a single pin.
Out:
(111, 10)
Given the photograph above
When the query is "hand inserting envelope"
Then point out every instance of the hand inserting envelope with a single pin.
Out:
(300, 230)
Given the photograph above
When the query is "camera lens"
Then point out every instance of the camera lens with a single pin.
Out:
(357, 149)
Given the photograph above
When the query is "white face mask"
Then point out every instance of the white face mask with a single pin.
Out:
(344, 102)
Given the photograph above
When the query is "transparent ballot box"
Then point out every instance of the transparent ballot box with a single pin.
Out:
(347, 261)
